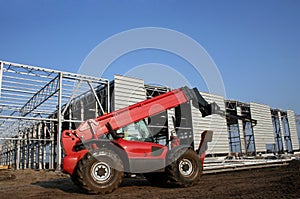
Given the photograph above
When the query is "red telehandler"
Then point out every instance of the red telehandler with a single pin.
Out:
(101, 151)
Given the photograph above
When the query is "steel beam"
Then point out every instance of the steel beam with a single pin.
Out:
(96, 97)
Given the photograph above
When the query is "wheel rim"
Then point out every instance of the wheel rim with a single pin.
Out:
(186, 167)
(101, 172)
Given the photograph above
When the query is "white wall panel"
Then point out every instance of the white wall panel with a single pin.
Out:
(293, 129)
(128, 91)
(263, 131)
(215, 123)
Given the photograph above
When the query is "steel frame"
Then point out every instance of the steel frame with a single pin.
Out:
(286, 132)
(240, 127)
(277, 131)
(35, 103)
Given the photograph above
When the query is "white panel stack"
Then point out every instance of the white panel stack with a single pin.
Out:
(127, 91)
(216, 123)
(293, 129)
(263, 131)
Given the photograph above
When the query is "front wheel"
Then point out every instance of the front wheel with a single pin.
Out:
(101, 172)
(186, 170)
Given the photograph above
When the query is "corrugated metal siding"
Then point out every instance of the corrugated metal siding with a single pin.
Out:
(293, 129)
(263, 131)
(127, 91)
(215, 123)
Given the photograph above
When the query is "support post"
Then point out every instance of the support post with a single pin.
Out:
(108, 97)
(241, 132)
(17, 154)
(59, 123)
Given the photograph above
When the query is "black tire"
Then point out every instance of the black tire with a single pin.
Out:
(185, 169)
(157, 179)
(74, 178)
(100, 173)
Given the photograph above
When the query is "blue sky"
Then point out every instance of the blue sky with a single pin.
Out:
(255, 44)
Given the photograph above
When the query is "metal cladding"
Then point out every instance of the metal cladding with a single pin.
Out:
(215, 123)
(293, 129)
(263, 131)
(127, 91)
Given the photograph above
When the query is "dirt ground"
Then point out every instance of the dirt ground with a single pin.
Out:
(279, 182)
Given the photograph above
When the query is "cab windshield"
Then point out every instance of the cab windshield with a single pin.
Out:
(136, 131)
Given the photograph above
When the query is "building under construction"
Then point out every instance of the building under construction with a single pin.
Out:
(37, 104)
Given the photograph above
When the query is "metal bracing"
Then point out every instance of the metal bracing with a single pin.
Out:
(234, 138)
(34, 104)
(240, 127)
(41, 96)
(286, 132)
(277, 130)
(233, 128)
(152, 91)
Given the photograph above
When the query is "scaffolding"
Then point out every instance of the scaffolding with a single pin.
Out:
(36, 104)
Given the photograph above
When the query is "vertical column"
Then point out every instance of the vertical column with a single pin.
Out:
(38, 147)
(33, 147)
(22, 155)
(10, 152)
(6, 154)
(241, 131)
(81, 110)
(44, 153)
(28, 150)
(1, 155)
(51, 147)
(108, 97)
(282, 132)
(42, 145)
(17, 166)
(59, 121)
(52, 150)
(71, 116)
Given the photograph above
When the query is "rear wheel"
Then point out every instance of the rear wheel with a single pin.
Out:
(101, 172)
(186, 170)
